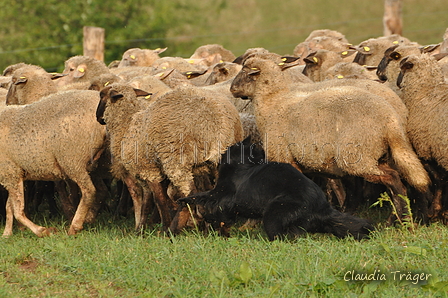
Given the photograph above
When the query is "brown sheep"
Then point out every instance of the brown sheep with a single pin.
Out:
(425, 93)
(180, 130)
(320, 131)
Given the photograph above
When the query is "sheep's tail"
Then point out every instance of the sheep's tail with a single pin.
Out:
(343, 224)
(408, 163)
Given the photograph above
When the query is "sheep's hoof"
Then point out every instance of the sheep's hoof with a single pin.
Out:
(44, 232)
(73, 231)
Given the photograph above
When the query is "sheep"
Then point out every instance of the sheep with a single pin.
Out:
(213, 53)
(336, 131)
(371, 51)
(43, 141)
(322, 39)
(140, 57)
(81, 69)
(424, 91)
(178, 131)
(282, 196)
(321, 63)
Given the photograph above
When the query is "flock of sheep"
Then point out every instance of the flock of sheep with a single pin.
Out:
(351, 114)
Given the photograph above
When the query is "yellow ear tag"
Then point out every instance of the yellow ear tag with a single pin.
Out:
(160, 74)
(148, 96)
(191, 61)
(344, 53)
(23, 77)
(281, 63)
(81, 69)
(220, 61)
(163, 67)
(107, 83)
(283, 59)
(132, 57)
(340, 76)
(254, 68)
(395, 42)
(158, 49)
(190, 72)
(366, 49)
(315, 59)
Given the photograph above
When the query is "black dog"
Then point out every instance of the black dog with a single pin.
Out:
(285, 199)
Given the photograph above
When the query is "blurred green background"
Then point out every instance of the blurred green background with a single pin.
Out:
(47, 33)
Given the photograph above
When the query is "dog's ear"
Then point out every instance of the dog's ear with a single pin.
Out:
(247, 141)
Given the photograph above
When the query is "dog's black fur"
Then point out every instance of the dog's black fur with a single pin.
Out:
(285, 199)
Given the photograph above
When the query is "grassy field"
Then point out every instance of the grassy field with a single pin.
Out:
(107, 259)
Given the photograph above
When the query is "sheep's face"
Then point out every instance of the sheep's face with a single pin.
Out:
(389, 55)
(115, 94)
(244, 85)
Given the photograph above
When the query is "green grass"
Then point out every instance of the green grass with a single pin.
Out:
(108, 260)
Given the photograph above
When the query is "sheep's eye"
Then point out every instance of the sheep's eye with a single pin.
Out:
(72, 69)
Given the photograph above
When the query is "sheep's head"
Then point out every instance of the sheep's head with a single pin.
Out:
(114, 95)
(30, 83)
(81, 69)
(140, 57)
(257, 72)
(394, 54)
(411, 70)
(222, 72)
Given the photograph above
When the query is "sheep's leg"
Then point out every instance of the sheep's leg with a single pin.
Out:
(136, 193)
(9, 219)
(101, 197)
(16, 202)
(183, 215)
(338, 189)
(163, 202)
(391, 179)
(87, 199)
(147, 198)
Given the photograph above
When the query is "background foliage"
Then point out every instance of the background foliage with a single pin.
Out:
(48, 32)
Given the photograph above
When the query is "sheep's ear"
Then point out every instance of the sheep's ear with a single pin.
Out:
(429, 48)
(140, 92)
(159, 50)
(289, 59)
(440, 56)
(254, 71)
(194, 74)
(55, 75)
(21, 80)
(347, 53)
(164, 75)
(405, 64)
(115, 95)
(239, 60)
(80, 71)
(288, 62)
(311, 59)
